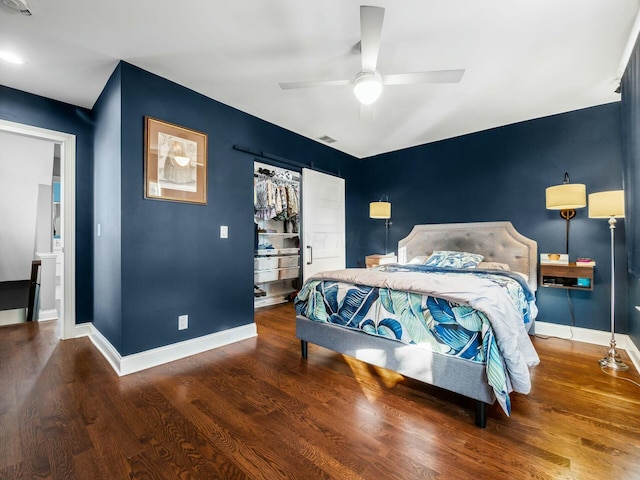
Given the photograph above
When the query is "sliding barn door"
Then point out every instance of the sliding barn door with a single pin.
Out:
(323, 226)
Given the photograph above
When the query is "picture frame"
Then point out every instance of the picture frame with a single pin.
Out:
(175, 163)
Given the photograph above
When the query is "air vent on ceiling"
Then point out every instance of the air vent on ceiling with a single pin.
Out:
(327, 139)
(20, 5)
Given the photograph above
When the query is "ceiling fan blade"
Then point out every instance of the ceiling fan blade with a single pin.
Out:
(320, 83)
(436, 76)
(370, 32)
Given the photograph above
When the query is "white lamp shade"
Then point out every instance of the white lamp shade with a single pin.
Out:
(566, 196)
(380, 210)
(606, 204)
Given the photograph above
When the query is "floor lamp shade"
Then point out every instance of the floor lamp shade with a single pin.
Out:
(606, 204)
(380, 210)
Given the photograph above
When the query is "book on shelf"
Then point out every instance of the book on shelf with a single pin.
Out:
(585, 262)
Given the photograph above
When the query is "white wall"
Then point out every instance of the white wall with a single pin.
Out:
(44, 220)
(25, 163)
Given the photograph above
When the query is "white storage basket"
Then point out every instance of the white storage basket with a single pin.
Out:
(289, 273)
(265, 263)
(265, 276)
(288, 262)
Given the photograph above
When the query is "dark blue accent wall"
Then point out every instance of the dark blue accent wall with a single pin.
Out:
(501, 174)
(21, 107)
(107, 313)
(172, 259)
(631, 148)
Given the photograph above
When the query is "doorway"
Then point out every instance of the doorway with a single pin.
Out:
(67, 142)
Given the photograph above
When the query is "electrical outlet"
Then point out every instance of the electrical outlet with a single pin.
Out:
(183, 322)
(224, 231)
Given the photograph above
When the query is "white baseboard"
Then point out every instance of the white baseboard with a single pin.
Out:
(9, 317)
(595, 337)
(51, 314)
(82, 330)
(169, 353)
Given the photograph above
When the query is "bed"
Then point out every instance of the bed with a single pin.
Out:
(497, 357)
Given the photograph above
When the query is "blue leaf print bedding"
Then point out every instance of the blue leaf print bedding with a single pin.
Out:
(415, 318)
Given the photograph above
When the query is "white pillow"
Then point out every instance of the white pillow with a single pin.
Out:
(418, 260)
(494, 266)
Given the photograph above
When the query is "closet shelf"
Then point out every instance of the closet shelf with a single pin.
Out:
(278, 251)
(279, 234)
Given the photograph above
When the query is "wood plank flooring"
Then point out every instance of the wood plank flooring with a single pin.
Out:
(256, 410)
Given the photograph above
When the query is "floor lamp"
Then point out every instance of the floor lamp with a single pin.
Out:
(610, 205)
(382, 210)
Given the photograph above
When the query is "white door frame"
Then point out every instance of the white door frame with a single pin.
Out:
(68, 215)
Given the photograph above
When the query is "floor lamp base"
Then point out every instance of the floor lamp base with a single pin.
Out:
(612, 361)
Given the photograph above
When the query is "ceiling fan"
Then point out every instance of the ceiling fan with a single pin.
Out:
(368, 84)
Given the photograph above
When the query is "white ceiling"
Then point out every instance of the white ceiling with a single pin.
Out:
(524, 59)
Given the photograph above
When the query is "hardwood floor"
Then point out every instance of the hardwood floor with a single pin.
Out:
(256, 410)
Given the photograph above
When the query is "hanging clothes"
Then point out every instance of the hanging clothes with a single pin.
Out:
(276, 198)
(265, 199)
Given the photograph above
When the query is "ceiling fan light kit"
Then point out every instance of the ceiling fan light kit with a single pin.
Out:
(367, 87)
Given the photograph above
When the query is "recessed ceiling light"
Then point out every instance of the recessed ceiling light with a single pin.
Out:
(11, 58)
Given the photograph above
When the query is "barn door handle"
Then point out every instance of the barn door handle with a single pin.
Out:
(310, 261)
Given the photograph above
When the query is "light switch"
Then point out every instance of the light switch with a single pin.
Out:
(99, 230)
(224, 231)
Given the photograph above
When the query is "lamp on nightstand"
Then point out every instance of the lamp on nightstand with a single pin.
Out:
(610, 205)
(382, 210)
(566, 198)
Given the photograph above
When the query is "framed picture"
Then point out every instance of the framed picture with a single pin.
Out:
(175, 163)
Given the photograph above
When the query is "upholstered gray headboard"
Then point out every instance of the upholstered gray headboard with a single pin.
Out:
(496, 241)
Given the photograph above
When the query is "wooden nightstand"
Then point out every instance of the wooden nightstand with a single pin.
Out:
(374, 260)
(566, 276)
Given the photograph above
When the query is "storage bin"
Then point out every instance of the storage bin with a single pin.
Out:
(265, 276)
(289, 273)
(265, 263)
(287, 262)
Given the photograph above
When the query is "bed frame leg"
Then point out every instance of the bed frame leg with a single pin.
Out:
(303, 348)
(481, 414)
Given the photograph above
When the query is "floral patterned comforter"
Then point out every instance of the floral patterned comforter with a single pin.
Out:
(476, 315)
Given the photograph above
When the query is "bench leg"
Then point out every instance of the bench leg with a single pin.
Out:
(481, 414)
(303, 348)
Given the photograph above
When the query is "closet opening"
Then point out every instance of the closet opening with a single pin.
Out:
(276, 260)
